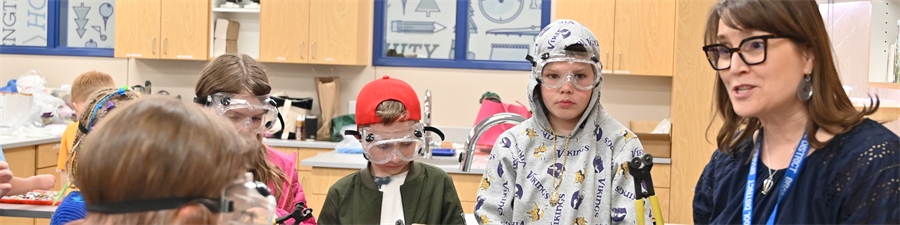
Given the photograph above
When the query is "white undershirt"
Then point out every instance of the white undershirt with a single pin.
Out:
(391, 201)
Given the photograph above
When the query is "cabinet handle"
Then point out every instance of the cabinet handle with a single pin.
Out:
(301, 49)
(607, 57)
(153, 46)
(165, 45)
(314, 50)
(620, 61)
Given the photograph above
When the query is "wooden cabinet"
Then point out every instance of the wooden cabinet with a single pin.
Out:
(27, 161)
(315, 31)
(184, 29)
(284, 31)
(600, 17)
(158, 29)
(635, 36)
(336, 31)
(137, 29)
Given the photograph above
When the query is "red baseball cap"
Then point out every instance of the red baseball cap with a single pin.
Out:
(381, 90)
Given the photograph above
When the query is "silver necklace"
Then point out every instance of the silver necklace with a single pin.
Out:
(769, 181)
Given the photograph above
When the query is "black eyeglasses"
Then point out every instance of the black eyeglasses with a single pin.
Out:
(752, 50)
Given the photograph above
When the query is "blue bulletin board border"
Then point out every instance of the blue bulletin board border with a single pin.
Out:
(54, 46)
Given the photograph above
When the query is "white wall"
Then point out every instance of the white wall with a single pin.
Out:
(455, 91)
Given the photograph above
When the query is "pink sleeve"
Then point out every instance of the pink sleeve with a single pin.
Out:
(299, 196)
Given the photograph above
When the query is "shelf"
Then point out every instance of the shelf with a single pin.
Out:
(234, 10)
(895, 86)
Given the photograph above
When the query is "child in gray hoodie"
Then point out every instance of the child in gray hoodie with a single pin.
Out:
(562, 165)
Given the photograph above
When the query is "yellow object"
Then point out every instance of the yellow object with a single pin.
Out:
(657, 212)
(639, 207)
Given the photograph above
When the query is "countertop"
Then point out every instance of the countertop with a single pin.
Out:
(7, 142)
(26, 210)
(299, 144)
(333, 159)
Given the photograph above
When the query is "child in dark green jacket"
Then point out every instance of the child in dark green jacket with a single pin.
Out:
(392, 189)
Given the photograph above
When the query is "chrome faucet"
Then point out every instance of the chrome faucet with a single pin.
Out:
(468, 155)
(426, 119)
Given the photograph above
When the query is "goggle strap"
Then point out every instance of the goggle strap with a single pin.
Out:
(202, 101)
(146, 205)
(353, 132)
(436, 131)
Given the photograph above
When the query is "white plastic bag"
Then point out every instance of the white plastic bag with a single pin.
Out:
(43, 105)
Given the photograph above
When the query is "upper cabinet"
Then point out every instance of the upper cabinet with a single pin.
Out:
(162, 29)
(284, 31)
(636, 36)
(137, 29)
(339, 31)
(334, 32)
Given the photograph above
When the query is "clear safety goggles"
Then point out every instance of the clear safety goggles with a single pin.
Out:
(257, 114)
(244, 202)
(380, 143)
(247, 202)
(585, 76)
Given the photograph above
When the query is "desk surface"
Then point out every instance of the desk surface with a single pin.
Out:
(26, 210)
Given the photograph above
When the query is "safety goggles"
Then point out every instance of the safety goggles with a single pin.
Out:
(382, 142)
(257, 114)
(244, 202)
(584, 71)
(247, 202)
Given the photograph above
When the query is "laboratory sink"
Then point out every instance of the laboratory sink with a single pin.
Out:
(447, 163)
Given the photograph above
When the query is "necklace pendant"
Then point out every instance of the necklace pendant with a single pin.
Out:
(767, 185)
(554, 199)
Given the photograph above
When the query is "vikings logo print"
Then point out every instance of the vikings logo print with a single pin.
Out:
(598, 132)
(579, 176)
(479, 203)
(577, 197)
(540, 151)
(618, 214)
(579, 221)
(485, 220)
(536, 214)
(598, 164)
(519, 191)
(627, 134)
(530, 133)
(499, 170)
(556, 170)
(623, 170)
(485, 183)
(505, 142)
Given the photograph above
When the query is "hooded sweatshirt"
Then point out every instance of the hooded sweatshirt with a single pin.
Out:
(594, 188)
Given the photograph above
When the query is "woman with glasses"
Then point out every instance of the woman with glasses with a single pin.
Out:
(792, 148)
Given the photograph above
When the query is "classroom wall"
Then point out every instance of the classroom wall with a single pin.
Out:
(455, 91)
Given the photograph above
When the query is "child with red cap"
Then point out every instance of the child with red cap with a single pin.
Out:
(393, 188)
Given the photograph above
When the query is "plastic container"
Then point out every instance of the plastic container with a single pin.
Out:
(350, 145)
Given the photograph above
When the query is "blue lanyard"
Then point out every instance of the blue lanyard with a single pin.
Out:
(791, 175)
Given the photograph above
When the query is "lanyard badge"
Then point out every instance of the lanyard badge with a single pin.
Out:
(791, 175)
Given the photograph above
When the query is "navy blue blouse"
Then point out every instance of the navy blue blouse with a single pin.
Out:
(855, 179)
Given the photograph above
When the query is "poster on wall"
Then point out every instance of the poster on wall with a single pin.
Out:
(420, 28)
(90, 23)
(24, 22)
(504, 29)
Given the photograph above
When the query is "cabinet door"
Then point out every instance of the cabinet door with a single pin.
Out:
(137, 29)
(597, 15)
(284, 31)
(185, 29)
(645, 37)
(334, 31)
